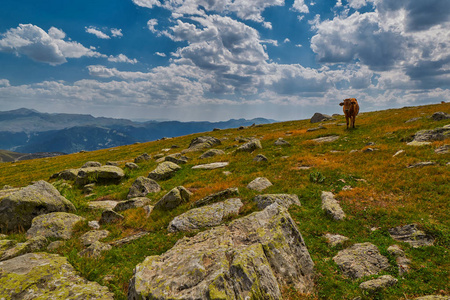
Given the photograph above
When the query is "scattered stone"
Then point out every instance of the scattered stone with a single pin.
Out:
(318, 117)
(437, 134)
(402, 261)
(206, 216)
(91, 164)
(241, 139)
(222, 195)
(95, 249)
(93, 236)
(252, 257)
(94, 224)
(129, 239)
(398, 152)
(250, 146)
(259, 184)
(326, 139)
(281, 142)
(55, 245)
(439, 116)
(112, 163)
(142, 158)
(164, 170)
(131, 166)
(378, 284)
(212, 153)
(132, 203)
(260, 158)
(367, 150)
(55, 225)
(202, 142)
(109, 216)
(443, 149)
(211, 166)
(88, 188)
(173, 199)
(46, 276)
(143, 186)
(103, 205)
(361, 260)
(418, 144)
(421, 164)
(32, 245)
(177, 158)
(227, 173)
(315, 128)
(335, 239)
(411, 235)
(413, 120)
(331, 206)
(148, 210)
(284, 200)
(99, 174)
(18, 209)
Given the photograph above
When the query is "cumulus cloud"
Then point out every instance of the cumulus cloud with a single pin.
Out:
(122, 58)
(4, 82)
(160, 54)
(97, 33)
(116, 32)
(300, 6)
(151, 25)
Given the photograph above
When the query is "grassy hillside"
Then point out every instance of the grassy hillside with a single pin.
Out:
(384, 193)
(8, 156)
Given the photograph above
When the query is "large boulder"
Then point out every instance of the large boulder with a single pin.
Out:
(18, 209)
(202, 142)
(142, 186)
(251, 258)
(440, 115)
(109, 174)
(412, 235)
(56, 225)
(46, 276)
(437, 134)
(285, 200)
(164, 170)
(250, 146)
(318, 117)
(206, 216)
(173, 199)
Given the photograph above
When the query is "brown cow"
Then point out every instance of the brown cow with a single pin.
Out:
(351, 110)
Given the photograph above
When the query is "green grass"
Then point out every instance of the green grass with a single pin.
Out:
(384, 194)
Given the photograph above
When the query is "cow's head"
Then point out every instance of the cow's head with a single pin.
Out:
(348, 103)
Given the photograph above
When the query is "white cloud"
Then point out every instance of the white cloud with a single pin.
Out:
(147, 3)
(56, 33)
(299, 45)
(160, 54)
(286, 40)
(122, 58)
(300, 6)
(97, 32)
(4, 83)
(357, 4)
(116, 32)
(151, 25)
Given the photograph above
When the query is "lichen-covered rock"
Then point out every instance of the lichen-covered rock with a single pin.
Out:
(108, 174)
(335, 239)
(250, 146)
(131, 166)
(142, 158)
(69, 174)
(142, 186)
(93, 236)
(177, 158)
(103, 205)
(164, 171)
(46, 276)
(437, 134)
(361, 260)
(55, 245)
(326, 139)
(378, 284)
(32, 245)
(252, 257)
(202, 142)
(412, 235)
(331, 206)
(259, 184)
(281, 142)
(95, 249)
(212, 153)
(173, 199)
(18, 209)
(91, 164)
(206, 216)
(56, 225)
(109, 216)
(222, 195)
(285, 200)
(132, 203)
(211, 166)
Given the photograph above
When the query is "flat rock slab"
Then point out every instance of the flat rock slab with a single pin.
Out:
(56, 225)
(422, 164)
(206, 216)
(443, 149)
(164, 170)
(46, 276)
(99, 174)
(361, 260)
(259, 184)
(326, 139)
(378, 284)
(106, 204)
(285, 200)
(331, 206)
(93, 236)
(211, 166)
(222, 195)
(252, 257)
(412, 235)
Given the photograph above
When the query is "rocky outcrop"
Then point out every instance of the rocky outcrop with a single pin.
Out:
(164, 171)
(143, 186)
(212, 153)
(252, 257)
(202, 142)
(412, 235)
(250, 146)
(445, 149)
(46, 276)
(222, 195)
(173, 199)
(11, 249)
(438, 116)
(93, 236)
(331, 206)
(318, 117)
(206, 216)
(259, 184)
(378, 284)
(106, 174)
(285, 200)
(437, 134)
(56, 225)
(132, 203)
(361, 260)
(18, 209)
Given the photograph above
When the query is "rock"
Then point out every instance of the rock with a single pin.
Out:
(106, 174)
(55, 245)
(260, 158)
(335, 239)
(112, 163)
(95, 249)
(91, 164)
(222, 195)
(326, 139)
(438, 116)
(129, 239)
(433, 297)
(318, 117)
(331, 206)
(284, 200)
(164, 170)
(212, 153)
(33, 244)
(3, 236)
(104, 204)
(55, 225)
(411, 235)
(5, 245)
(176, 158)
(206, 216)
(93, 236)
(143, 186)
(418, 144)
(202, 142)
(142, 158)
(173, 199)
(94, 224)
(18, 209)
(148, 210)
(315, 128)
(253, 257)
(413, 120)
(421, 164)
(281, 142)
(259, 184)
(46, 276)
(361, 260)
(132, 203)
(109, 216)
(131, 166)
(402, 261)
(443, 149)
(437, 134)
(211, 166)
(250, 146)
(88, 188)
(378, 284)
(241, 139)
(69, 174)
(398, 152)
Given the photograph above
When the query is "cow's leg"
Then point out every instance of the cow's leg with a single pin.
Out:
(353, 121)
(346, 118)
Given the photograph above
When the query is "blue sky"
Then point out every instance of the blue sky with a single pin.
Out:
(219, 59)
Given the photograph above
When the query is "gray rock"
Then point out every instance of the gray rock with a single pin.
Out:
(378, 284)
(361, 260)
(211, 166)
(326, 139)
(88, 188)
(281, 142)
(259, 184)
(132, 203)
(3, 236)
(46, 276)
(112, 163)
(421, 164)
(331, 206)
(18, 209)
(222, 195)
(69, 174)
(148, 210)
(99, 174)
(411, 235)
(142, 158)
(93, 236)
(202, 142)
(55, 245)
(56, 225)
(95, 249)
(253, 257)
(143, 186)
(438, 116)
(212, 153)
(242, 139)
(129, 239)
(91, 164)
(443, 149)
(250, 146)
(32, 245)
(315, 128)
(94, 224)
(103, 205)
(318, 117)
(164, 170)
(260, 158)
(437, 134)
(131, 166)
(335, 239)
(284, 200)
(109, 216)
(206, 216)
(413, 120)
(177, 158)
(173, 199)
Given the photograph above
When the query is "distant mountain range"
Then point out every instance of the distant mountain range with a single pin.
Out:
(29, 131)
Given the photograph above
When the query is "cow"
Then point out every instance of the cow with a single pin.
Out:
(351, 110)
